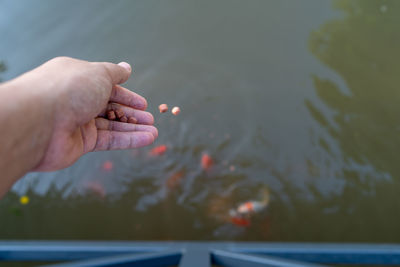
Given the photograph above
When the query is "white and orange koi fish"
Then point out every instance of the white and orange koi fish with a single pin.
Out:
(251, 207)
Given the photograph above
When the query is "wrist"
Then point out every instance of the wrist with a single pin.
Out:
(27, 101)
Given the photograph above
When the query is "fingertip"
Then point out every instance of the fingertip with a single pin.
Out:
(126, 66)
(147, 128)
(145, 139)
(151, 118)
(144, 103)
(154, 131)
(152, 138)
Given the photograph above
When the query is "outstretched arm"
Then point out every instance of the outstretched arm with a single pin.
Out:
(54, 114)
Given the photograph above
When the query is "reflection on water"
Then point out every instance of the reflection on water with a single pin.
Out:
(318, 130)
(363, 49)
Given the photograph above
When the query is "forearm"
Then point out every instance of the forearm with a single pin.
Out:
(26, 121)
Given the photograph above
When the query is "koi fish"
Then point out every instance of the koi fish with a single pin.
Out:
(240, 221)
(242, 214)
(158, 150)
(251, 207)
(107, 165)
(175, 179)
(206, 162)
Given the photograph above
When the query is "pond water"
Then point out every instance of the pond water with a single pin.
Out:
(298, 98)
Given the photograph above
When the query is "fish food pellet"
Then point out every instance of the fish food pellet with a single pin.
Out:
(119, 113)
(163, 108)
(111, 115)
(123, 119)
(132, 120)
(176, 111)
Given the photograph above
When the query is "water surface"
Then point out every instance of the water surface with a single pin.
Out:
(297, 97)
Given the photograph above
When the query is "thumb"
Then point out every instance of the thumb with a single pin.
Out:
(118, 73)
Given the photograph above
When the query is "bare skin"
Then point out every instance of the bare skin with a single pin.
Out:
(55, 113)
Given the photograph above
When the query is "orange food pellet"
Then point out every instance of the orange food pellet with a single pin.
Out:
(163, 108)
(132, 120)
(123, 119)
(176, 111)
(111, 115)
(119, 113)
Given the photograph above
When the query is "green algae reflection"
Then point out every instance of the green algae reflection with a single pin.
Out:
(363, 47)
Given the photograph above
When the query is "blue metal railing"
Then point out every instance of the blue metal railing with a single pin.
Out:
(184, 254)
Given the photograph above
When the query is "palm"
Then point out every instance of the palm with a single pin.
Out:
(65, 150)
(82, 142)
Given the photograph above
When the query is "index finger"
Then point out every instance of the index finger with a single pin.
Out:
(123, 96)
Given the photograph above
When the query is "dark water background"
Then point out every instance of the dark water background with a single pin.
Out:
(298, 97)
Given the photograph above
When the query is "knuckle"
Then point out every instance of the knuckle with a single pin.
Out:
(105, 69)
(60, 59)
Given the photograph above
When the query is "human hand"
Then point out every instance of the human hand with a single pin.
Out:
(79, 92)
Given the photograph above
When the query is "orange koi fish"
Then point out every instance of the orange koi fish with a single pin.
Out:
(107, 165)
(158, 150)
(206, 162)
(240, 221)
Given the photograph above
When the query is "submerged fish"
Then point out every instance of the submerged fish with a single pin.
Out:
(241, 215)
(240, 221)
(206, 162)
(175, 179)
(254, 206)
(107, 165)
(158, 150)
(251, 207)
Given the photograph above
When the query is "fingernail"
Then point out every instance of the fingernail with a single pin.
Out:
(125, 65)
